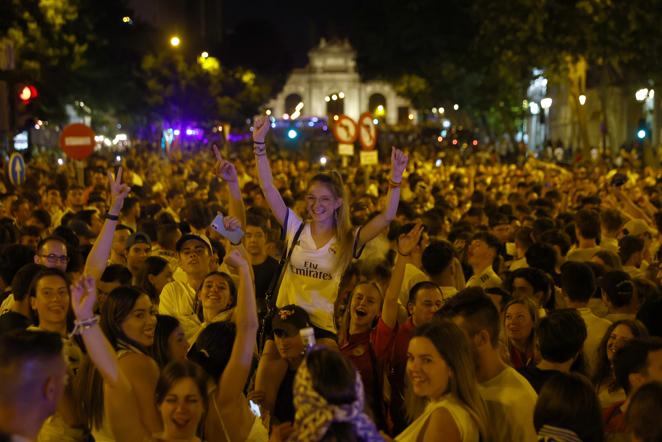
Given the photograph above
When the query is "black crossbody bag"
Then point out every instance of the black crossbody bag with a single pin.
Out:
(272, 292)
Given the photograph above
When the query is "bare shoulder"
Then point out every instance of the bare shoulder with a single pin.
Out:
(441, 422)
(138, 364)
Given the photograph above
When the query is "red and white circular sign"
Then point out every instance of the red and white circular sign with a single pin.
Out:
(77, 141)
(367, 131)
(345, 130)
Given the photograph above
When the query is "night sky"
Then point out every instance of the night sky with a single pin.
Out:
(284, 31)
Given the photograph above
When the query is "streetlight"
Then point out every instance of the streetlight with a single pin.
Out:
(205, 54)
(546, 103)
(641, 94)
(175, 41)
(582, 99)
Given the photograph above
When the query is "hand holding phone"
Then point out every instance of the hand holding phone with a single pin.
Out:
(233, 235)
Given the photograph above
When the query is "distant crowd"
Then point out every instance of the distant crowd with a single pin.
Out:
(257, 296)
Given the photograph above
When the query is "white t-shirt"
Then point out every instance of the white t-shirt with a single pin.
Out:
(596, 328)
(178, 299)
(312, 275)
(510, 400)
(413, 275)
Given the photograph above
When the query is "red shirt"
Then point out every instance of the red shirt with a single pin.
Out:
(357, 349)
(398, 337)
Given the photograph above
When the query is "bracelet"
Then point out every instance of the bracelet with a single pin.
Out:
(258, 142)
(260, 149)
(393, 184)
(237, 244)
(82, 326)
(402, 254)
(112, 217)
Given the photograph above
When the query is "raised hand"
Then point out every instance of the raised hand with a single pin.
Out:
(235, 259)
(226, 169)
(399, 162)
(118, 189)
(83, 297)
(407, 242)
(261, 127)
(231, 223)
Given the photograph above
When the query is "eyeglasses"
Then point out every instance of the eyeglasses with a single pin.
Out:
(53, 258)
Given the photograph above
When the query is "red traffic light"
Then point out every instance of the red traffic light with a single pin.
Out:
(27, 93)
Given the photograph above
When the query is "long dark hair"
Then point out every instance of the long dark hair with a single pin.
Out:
(176, 371)
(453, 346)
(334, 378)
(154, 265)
(231, 286)
(603, 369)
(165, 326)
(89, 383)
(568, 401)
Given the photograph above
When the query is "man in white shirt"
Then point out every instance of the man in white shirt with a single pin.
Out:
(178, 297)
(34, 376)
(578, 286)
(509, 396)
(483, 250)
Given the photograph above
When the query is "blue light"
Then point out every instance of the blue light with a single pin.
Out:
(641, 134)
(292, 134)
(311, 124)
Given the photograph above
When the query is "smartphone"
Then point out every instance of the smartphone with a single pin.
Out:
(234, 236)
(255, 408)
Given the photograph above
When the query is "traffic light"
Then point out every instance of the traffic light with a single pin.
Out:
(27, 93)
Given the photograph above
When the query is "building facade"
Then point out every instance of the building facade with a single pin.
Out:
(330, 85)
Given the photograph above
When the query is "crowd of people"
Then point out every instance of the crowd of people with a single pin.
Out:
(257, 296)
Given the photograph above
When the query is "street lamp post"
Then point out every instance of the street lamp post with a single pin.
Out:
(545, 104)
(175, 41)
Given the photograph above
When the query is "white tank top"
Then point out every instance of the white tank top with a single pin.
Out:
(465, 423)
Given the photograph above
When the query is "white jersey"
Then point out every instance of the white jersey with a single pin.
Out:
(312, 276)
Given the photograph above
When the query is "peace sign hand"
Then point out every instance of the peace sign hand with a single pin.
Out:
(261, 125)
(83, 297)
(399, 162)
(118, 190)
(225, 169)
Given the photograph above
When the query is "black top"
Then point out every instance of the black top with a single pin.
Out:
(10, 321)
(284, 408)
(536, 376)
(264, 273)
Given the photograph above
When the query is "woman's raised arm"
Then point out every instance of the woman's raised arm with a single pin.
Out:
(273, 197)
(375, 226)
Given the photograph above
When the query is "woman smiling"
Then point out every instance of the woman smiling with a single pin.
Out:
(444, 391)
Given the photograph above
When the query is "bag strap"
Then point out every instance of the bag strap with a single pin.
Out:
(285, 258)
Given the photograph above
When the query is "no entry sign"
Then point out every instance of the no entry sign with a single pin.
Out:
(77, 141)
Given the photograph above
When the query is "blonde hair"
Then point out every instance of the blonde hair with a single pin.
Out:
(342, 225)
(343, 330)
(455, 349)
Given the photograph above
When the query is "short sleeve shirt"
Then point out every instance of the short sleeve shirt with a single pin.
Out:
(312, 275)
